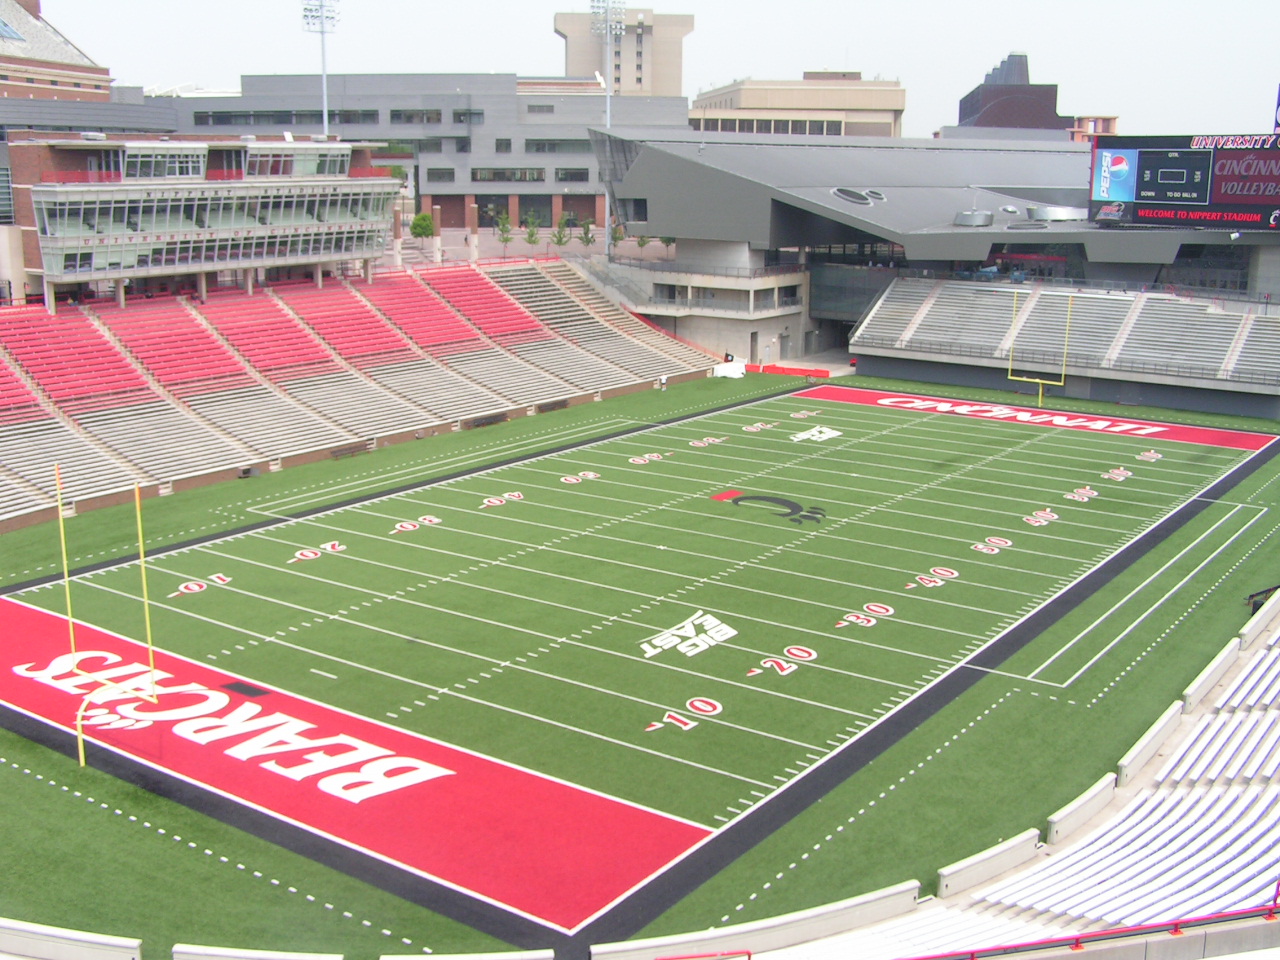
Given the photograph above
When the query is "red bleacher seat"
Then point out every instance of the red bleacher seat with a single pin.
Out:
(486, 305)
(71, 360)
(267, 336)
(348, 325)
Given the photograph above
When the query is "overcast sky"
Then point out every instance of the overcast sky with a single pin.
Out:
(1162, 66)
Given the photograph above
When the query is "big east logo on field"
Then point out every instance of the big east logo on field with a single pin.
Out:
(342, 766)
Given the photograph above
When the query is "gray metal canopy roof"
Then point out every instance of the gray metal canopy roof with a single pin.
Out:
(776, 192)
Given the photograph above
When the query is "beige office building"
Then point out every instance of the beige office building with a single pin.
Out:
(830, 103)
(647, 55)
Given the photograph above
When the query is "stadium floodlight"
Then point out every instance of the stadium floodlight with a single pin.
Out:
(321, 16)
(607, 23)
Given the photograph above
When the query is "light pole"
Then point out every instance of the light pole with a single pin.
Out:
(607, 24)
(321, 16)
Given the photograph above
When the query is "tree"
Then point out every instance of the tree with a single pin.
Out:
(503, 222)
(667, 242)
(586, 237)
(642, 242)
(618, 234)
(560, 235)
(532, 221)
(422, 226)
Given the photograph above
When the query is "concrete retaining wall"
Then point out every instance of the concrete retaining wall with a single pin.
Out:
(1258, 623)
(776, 932)
(1081, 810)
(518, 955)
(1148, 745)
(190, 951)
(991, 862)
(35, 940)
(1210, 675)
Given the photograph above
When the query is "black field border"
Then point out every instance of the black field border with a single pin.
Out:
(636, 911)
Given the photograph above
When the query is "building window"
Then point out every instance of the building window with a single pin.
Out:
(833, 128)
(415, 116)
(572, 174)
(353, 116)
(816, 126)
(557, 146)
(728, 126)
(439, 174)
(711, 125)
(508, 174)
(541, 108)
(468, 116)
(764, 126)
(9, 33)
(462, 145)
(799, 126)
(434, 145)
(157, 164)
(635, 211)
(746, 126)
(694, 124)
(502, 146)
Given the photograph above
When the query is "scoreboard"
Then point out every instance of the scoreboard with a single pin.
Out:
(1228, 182)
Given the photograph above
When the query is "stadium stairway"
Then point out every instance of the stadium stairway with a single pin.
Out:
(205, 374)
(568, 304)
(497, 314)
(296, 360)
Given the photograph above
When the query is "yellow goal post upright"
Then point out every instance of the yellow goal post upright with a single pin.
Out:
(1043, 382)
(133, 690)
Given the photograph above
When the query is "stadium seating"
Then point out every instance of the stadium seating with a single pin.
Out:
(1100, 330)
(896, 309)
(442, 332)
(171, 343)
(293, 357)
(17, 402)
(1170, 331)
(1260, 355)
(73, 361)
(166, 388)
(974, 317)
(1095, 320)
(1205, 839)
(348, 325)
(568, 305)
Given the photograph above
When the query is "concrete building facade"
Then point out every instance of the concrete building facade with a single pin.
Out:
(495, 141)
(646, 56)
(111, 213)
(823, 103)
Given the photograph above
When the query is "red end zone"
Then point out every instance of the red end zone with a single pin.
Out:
(1209, 436)
(544, 848)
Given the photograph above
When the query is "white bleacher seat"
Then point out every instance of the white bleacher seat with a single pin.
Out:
(895, 310)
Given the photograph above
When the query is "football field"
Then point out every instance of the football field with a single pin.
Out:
(633, 643)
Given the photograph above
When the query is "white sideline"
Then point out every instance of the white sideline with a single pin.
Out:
(39, 942)
(774, 933)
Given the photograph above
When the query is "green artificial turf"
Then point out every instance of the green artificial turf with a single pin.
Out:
(561, 588)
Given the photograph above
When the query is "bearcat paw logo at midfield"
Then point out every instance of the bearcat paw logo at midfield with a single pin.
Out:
(792, 511)
(112, 721)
